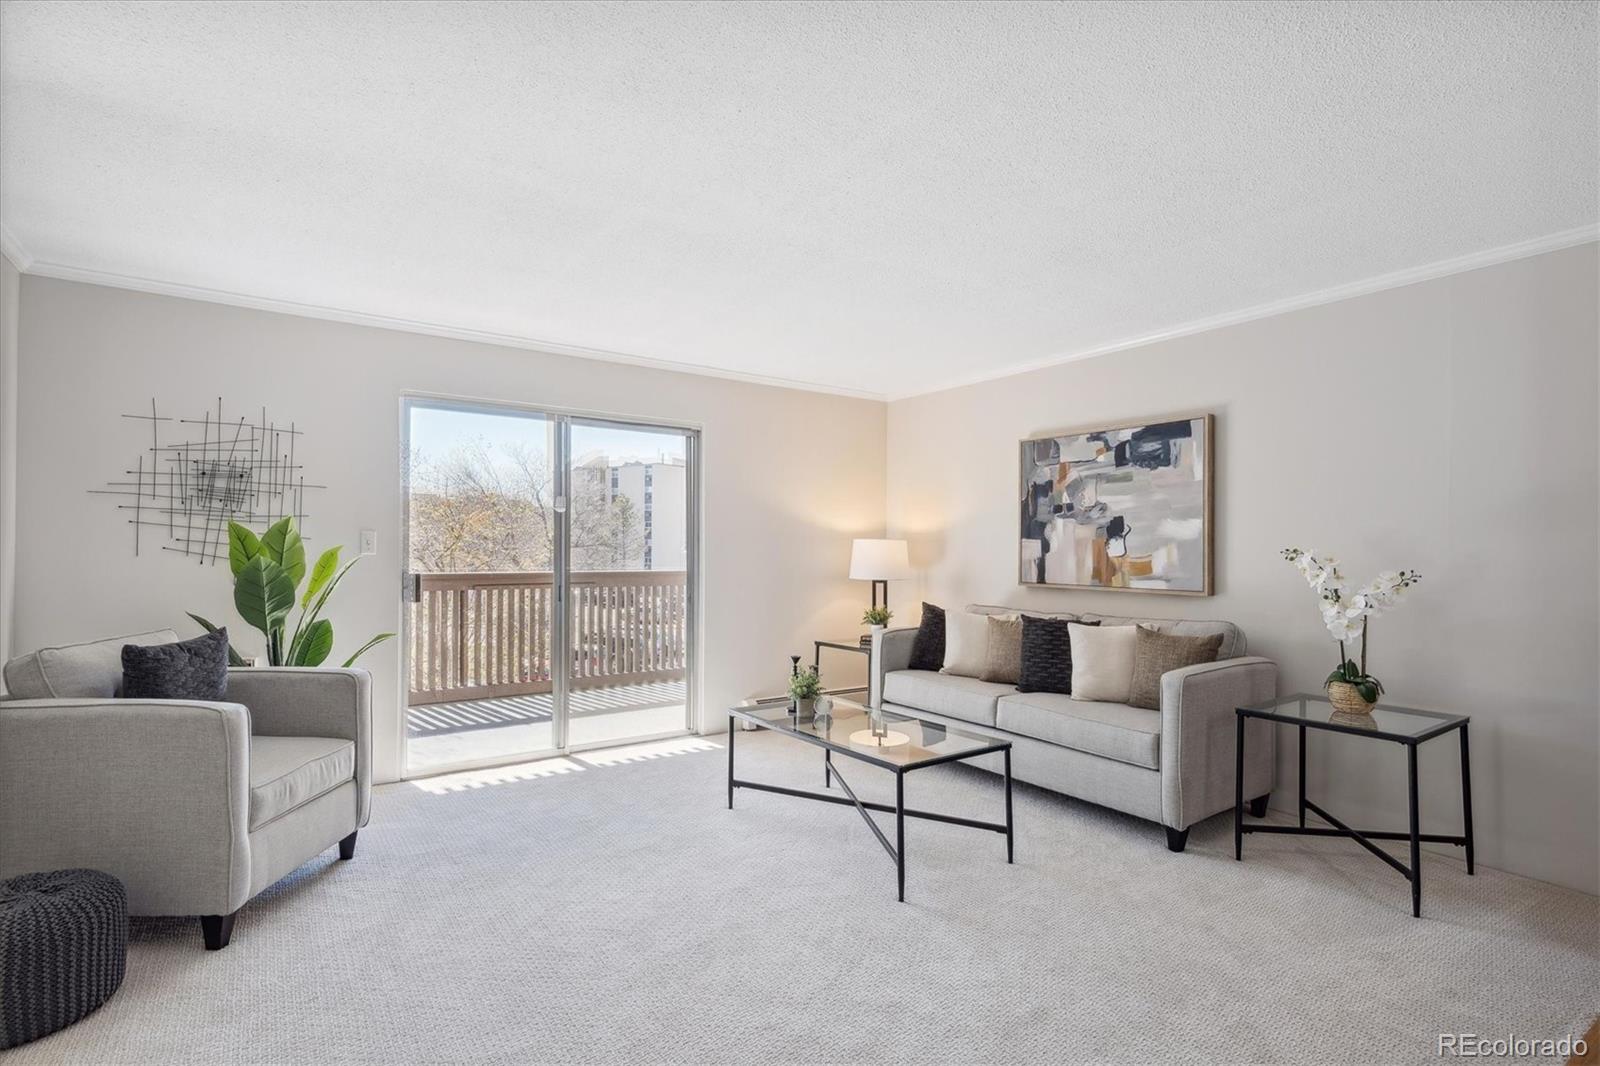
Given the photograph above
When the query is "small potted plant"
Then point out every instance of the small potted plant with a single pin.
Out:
(1347, 615)
(804, 688)
(875, 618)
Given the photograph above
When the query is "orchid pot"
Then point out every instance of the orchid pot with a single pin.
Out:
(1348, 615)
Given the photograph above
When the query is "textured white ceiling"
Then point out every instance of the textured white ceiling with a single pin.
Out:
(880, 197)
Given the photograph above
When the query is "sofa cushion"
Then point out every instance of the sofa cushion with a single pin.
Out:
(927, 649)
(286, 772)
(964, 698)
(1003, 661)
(966, 644)
(1233, 642)
(1046, 654)
(1156, 653)
(1102, 661)
(1113, 730)
(989, 608)
(89, 671)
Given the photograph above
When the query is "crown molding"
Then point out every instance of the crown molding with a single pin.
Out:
(13, 250)
(65, 272)
(1397, 279)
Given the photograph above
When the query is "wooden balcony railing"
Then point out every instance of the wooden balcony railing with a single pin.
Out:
(477, 636)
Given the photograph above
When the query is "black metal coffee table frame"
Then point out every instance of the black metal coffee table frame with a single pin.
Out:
(1365, 837)
(830, 774)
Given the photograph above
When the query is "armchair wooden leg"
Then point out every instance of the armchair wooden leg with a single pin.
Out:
(217, 930)
(347, 847)
(1177, 839)
(1258, 806)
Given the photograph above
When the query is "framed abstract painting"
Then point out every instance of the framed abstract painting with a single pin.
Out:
(1122, 507)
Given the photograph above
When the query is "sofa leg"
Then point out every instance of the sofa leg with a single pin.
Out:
(1176, 838)
(1258, 806)
(217, 930)
(347, 847)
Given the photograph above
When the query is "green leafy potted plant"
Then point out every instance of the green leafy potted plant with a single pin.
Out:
(804, 688)
(1348, 615)
(875, 618)
(267, 571)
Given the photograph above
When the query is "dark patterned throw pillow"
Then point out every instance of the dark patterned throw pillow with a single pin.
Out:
(188, 670)
(1046, 655)
(927, 650)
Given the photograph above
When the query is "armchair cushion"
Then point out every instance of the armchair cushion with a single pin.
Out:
(286, 772)
(194, 669)
(91, 671)
(296, 701)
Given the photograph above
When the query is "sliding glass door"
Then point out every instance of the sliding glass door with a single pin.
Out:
(629, 564)
(549, 599)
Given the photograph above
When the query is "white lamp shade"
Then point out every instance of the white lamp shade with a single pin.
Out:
(879, 560)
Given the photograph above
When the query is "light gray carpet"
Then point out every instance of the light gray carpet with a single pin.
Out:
(619, 913)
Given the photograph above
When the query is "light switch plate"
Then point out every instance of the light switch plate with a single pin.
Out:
(369, 542)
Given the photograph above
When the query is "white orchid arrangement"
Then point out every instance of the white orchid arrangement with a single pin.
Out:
(1347, 614)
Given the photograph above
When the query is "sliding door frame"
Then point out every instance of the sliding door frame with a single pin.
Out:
(562, 419)
(691, 577)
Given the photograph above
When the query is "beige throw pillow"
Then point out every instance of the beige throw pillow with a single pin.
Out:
(1003, 663)
(1102, 662)
(966, 643)
(1155, 653)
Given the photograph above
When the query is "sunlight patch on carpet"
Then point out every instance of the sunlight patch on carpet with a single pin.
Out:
(558, 766)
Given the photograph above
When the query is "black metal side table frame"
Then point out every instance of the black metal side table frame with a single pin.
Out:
(1364, 837)
(830, 774)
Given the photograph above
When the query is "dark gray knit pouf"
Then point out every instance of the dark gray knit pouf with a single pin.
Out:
(63, 947)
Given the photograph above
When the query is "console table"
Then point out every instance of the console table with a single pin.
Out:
(1401, 725)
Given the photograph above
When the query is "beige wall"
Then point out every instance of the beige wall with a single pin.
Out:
(789, 476)
(1448, 426)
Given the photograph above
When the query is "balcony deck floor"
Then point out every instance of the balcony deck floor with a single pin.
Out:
(446, 734)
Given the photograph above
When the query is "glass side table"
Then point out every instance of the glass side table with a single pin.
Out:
(1401, 725)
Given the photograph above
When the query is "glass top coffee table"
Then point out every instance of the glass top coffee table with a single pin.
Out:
(889, 741)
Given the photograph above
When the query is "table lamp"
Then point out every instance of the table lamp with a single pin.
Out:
(880, 562)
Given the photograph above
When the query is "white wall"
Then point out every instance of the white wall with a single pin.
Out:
(10, 312)
(789, 476)
(1448, 426)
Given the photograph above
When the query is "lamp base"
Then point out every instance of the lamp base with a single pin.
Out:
(863, 738)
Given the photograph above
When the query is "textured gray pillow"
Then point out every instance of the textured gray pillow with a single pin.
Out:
(188, 670)
(1156, 653)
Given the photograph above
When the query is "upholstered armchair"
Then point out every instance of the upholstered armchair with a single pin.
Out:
(195, 806)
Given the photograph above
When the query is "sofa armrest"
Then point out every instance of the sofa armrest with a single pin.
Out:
(1198, 739)
(298, 701)
(891, 651)
(155, 792)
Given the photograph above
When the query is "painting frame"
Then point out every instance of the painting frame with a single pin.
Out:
(1208, 489)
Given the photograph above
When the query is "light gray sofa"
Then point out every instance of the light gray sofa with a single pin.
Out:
(195, 806)
(1174, 766)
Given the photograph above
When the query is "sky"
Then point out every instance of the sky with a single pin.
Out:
(437, 431)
